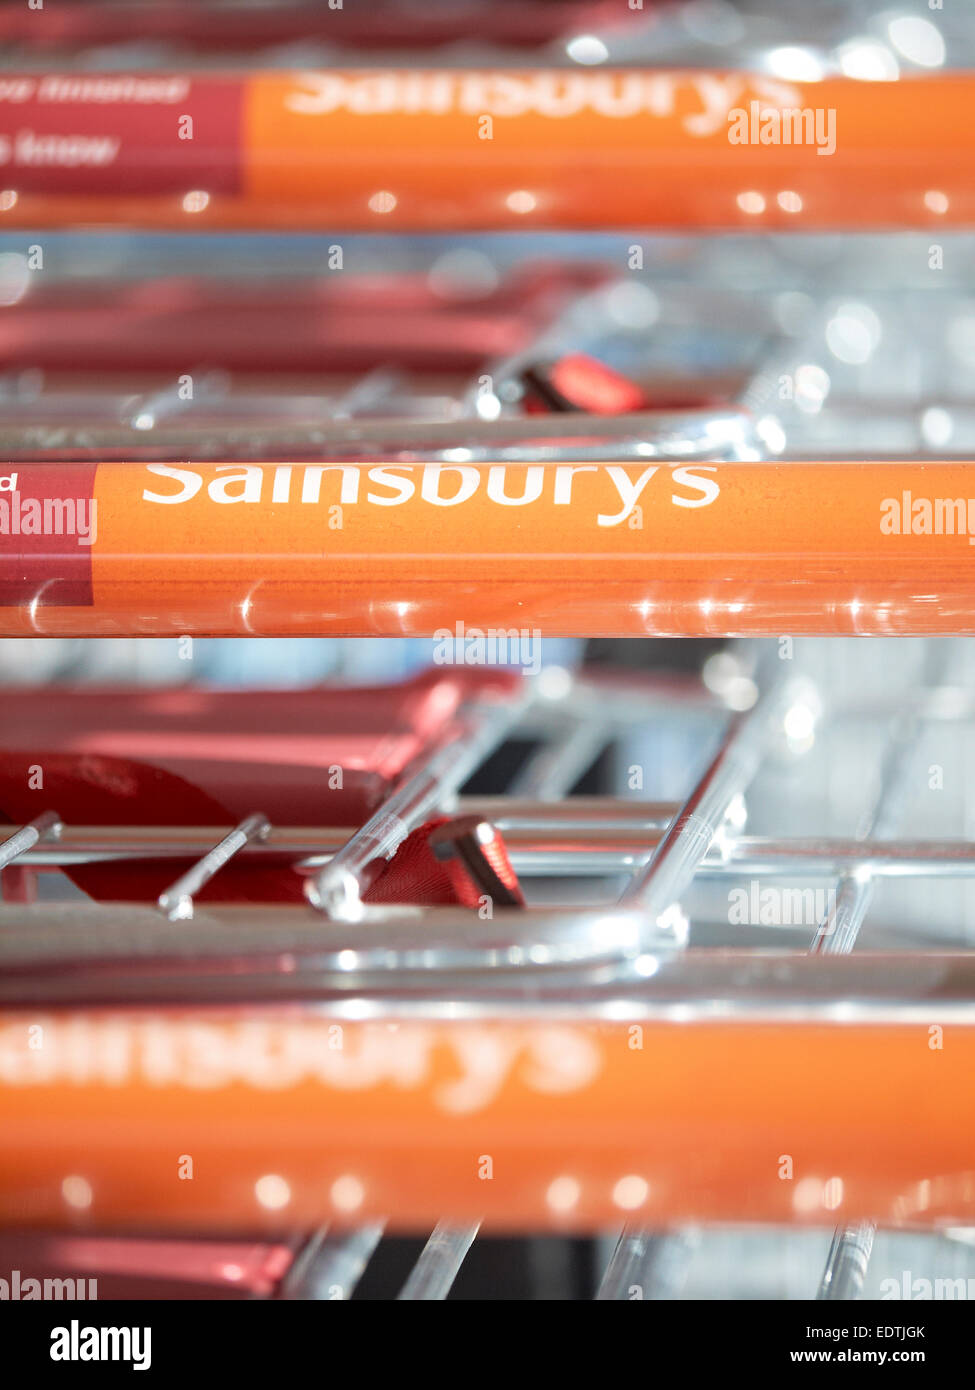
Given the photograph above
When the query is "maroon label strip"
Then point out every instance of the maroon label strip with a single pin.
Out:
(48, 527)
(120, 134)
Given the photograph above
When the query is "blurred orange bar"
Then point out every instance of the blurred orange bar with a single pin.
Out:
(263, 1120)
(418, 548)
(442, 150)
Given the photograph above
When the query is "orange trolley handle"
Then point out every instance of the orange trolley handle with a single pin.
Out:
(439, 149)
(449, 549)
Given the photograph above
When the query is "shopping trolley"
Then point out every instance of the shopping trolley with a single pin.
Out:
(280, 983)
(563, 448)
(586, 1057)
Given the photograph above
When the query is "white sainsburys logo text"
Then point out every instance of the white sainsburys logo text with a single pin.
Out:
(700, 100)
(620, 488)
(279, 1055)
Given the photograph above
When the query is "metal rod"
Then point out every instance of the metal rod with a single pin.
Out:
(846, 1264)
(525, 812)
(85, 844)
(849, 1254)
(569, 842)
(145, 412)
(658, 886)
(336, 888)
(177, 900)
(554, 769)
(679, 436)
(424, 967)
(367, 393)
(432, 1277)
(43, 827)
(334, 1265)
(648, 1265)
(838, 931)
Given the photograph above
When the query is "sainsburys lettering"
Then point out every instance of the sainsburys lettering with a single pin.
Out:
(700, 100)
(614, 493)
